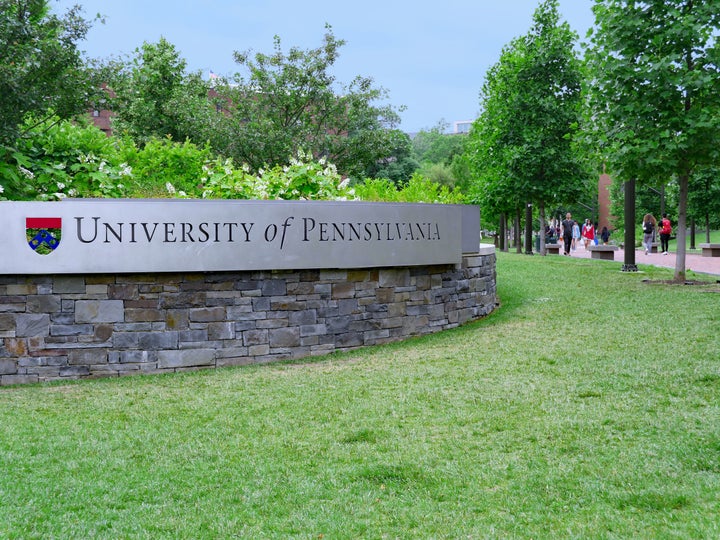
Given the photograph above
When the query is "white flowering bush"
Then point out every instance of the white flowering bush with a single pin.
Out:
(303, 179)
(62, 159)
(221, 180)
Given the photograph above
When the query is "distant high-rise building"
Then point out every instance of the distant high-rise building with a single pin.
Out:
(462, 126)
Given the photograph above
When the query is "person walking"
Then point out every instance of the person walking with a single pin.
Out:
(665, 232)
(588, 233)
(575, 235)
(649, 225)
(567, 232)
(605, 235)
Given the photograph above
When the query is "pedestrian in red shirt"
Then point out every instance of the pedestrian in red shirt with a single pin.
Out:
(588, 233)
(665, 232)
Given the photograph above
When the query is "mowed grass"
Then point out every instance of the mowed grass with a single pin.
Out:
(587, 406)
(700, 238)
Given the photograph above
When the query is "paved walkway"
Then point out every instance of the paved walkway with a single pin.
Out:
(693, 260)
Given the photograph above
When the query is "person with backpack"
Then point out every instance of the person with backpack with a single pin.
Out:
(648, 226)
(665, 232)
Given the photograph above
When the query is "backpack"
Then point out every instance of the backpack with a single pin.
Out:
(648, 227)
(666, 227)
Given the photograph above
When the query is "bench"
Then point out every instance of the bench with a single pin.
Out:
(710, 250)
(602, 252)
(552, 249)
(654, 247)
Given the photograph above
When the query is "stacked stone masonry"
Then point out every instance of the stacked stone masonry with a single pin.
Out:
(69, 327)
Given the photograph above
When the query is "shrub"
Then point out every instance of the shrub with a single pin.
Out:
(418, 189)
(59, 159)
(377, 189)
(162, 161)
(303, 178)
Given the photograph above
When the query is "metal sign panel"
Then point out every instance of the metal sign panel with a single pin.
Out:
(121, 236)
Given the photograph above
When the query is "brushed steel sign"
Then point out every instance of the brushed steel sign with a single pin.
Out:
(122, 236)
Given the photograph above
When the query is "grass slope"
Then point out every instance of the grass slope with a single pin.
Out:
(586, 406)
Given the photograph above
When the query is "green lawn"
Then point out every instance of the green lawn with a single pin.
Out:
(587, 406)
(699, 239)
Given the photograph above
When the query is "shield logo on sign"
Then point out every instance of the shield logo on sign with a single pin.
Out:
(43, 234)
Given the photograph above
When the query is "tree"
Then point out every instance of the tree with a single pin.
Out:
(288, 102)
(704, 199)
(522, 145)
(41, 70)
(436, 146)
(399, 165)
(156, 98)
(655, 92)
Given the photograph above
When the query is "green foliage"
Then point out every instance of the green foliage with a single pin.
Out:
(302, 179)
(704, 197)
(418, 189)
(521, 148)
(655, 101)
(377, 190)
(58, 159)
(285, 102)
(439, 173)
(399, 164)
(436, 146)
(154, 98)
(63, 159)
(41, 71)
(222, 180)
(162, 161)
(438, 153)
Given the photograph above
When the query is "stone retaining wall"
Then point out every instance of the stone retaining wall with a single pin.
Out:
(68, 327)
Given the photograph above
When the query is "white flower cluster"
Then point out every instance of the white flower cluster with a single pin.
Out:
(26, 173)
(125, 169)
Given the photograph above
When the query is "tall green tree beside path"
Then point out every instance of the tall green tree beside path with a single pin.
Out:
(655, 92)
(286, 102)
(154, 97)
(522, 145)
(41, 69)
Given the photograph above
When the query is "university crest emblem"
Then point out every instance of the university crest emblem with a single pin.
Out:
(43, 234)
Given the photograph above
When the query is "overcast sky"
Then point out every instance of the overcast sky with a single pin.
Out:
(431, 56)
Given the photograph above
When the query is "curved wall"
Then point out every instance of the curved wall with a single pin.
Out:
(68, 327)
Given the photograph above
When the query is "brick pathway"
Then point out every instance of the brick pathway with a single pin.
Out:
(693, 260)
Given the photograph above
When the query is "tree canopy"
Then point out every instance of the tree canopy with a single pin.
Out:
(42, 72)
(285, 102)
(521, 146)
(153, 96)
(655, 92)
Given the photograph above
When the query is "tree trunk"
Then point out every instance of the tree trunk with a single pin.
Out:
(707, 227)
(542, 228)
(528, 229)
(692, 233)
(683, 183)
(518, 236)
(503, 233)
